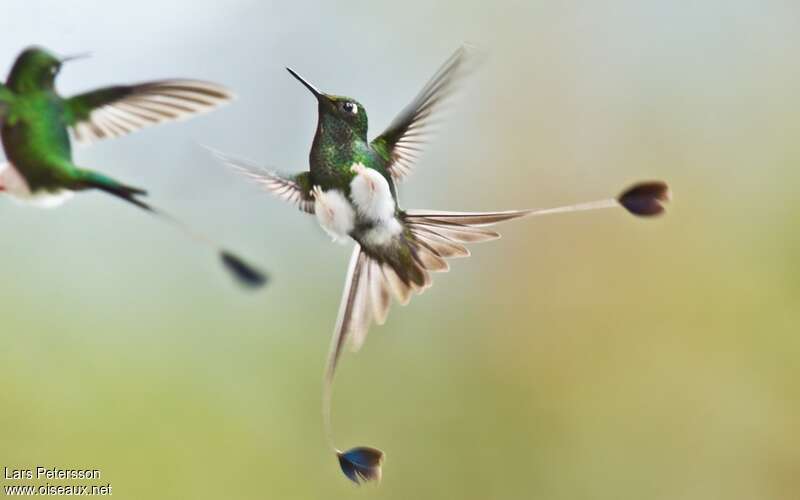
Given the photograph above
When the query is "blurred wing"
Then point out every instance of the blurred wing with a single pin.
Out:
(402, 142)
(116, 111)
(295, 190)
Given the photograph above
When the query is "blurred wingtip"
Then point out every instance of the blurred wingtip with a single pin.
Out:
(361, 464)
(211, 150)
(228, 160)
(646, 199)
(471, 55)
(244, 273)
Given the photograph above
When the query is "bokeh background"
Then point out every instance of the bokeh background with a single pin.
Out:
(587, 356)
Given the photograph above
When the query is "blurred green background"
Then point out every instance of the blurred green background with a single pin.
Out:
(589, 356)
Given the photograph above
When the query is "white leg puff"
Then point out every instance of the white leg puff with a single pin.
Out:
(334, 213)
(371, 194)
(16, 187)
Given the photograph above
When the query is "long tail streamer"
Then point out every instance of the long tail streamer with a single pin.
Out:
(433, 237)
(244, 273)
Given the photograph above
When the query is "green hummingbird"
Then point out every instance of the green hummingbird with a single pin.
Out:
(351, 189)
(37, 123)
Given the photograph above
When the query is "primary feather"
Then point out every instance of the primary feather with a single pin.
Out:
(115, 111)
(403, 140)
(294, 189)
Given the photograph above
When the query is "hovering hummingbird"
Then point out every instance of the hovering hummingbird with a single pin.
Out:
(37, 123)
(350, 188)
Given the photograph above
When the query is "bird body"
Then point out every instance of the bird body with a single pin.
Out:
(341, 159)
(35, 129)
(37, 143)
(37, 123)
(350, 187)
(344, 167)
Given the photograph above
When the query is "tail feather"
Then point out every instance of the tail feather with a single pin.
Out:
(90, 179)
(432, 237)
(439, 244)
(403, 266)
(398, 269)
(362, 464)
(429, 259)
(244, 273)
(380, 296)
(458, 233)
(400, 257)
(473, 219)
(399, 288)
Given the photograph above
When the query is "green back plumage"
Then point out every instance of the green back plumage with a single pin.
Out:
(6, 100)
(37, 121)
(35, 136)
(35, 133)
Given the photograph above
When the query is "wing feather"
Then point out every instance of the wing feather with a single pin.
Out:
(115, 111)
(402, 141)
(295, 190)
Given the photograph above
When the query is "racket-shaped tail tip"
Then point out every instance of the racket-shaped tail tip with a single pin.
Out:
(362, 464)
(646, 199)
(244, 273)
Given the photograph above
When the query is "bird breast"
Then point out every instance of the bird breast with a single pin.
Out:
(370, 204)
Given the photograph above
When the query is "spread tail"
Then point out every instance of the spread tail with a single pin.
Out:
(244, 273)
(433, 236)
(399, 268)
(402, 267)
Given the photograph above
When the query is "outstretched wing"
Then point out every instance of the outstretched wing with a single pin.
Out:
(116, 111)
(295, 189)
(402, 141)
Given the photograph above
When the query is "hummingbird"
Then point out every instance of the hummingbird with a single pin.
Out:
(38, 126)
(350, 188)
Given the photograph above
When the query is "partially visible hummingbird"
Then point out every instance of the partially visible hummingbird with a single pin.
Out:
(350, 187)
(37, 122)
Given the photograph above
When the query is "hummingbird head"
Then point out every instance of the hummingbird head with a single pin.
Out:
(36, 69)
(339, 113)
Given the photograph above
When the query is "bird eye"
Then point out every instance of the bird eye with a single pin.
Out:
(350, 107)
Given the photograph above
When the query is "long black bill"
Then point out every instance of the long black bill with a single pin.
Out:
(76, 57)
(302, 80)
(245, 273)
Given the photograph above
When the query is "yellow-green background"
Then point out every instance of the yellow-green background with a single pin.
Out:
(589, 356)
